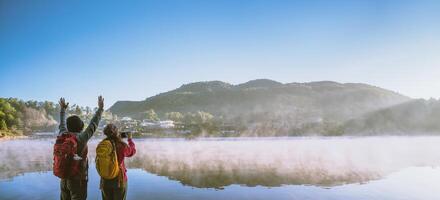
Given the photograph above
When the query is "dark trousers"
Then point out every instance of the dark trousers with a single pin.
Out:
(73, 189)
(114, 193)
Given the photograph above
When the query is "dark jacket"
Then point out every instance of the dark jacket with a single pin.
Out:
(83, 138)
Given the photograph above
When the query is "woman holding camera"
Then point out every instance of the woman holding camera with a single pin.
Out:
(114, 188)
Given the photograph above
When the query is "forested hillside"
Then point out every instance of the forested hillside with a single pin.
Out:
(266, 107)
(18, 117)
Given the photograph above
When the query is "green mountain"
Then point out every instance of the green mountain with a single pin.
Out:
(269, 107)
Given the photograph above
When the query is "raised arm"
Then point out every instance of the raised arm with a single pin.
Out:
(130, 150)
(63, 108)
(90, 130)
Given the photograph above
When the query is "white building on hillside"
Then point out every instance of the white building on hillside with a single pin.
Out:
(148, 123)
(126, 119)
(166, 124)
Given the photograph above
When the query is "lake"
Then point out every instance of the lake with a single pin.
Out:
(302, 168)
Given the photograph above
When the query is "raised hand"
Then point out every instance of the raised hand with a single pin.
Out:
(100, 102)
(63, 103)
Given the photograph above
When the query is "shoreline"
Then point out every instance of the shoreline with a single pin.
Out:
(16, 137)
(13, 137)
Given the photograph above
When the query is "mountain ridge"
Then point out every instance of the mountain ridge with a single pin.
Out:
(265, 105)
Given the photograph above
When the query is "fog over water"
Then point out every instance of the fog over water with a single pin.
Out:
(273, 162)
(216, 163)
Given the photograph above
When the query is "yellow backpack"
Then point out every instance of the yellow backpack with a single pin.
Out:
(107, 160)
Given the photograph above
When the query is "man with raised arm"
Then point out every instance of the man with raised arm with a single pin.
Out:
(70, 152)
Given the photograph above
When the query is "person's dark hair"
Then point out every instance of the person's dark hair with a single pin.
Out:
(112, 133)
(74, 124)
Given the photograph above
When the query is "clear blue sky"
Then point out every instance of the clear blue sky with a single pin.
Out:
(130, 50)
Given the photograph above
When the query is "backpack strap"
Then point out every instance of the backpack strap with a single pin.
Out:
(83, 162)
(120, 175)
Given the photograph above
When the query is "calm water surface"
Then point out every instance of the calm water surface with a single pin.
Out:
(244, 168)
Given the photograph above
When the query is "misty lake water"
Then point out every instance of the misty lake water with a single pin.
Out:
(245, 168)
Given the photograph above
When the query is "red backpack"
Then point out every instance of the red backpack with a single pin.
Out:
(64, 150)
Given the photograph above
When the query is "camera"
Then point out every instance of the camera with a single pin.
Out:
(124, 134)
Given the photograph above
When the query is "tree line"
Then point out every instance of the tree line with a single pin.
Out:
(199, 122)
(19, 117)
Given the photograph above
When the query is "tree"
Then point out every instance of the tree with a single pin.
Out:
(32, 104)
(88, 110)
(188, 118)
(203, 117)
(151, 115)
(3, 125)
(78, 111)
(8, 114)
(175, 116)
(50, 108)
(199, 117)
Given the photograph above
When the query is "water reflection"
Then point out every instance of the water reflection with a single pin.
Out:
(25, 155)
(219, 163)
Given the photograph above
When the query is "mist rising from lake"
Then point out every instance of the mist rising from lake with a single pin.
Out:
(268, 162)
(272, 162)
